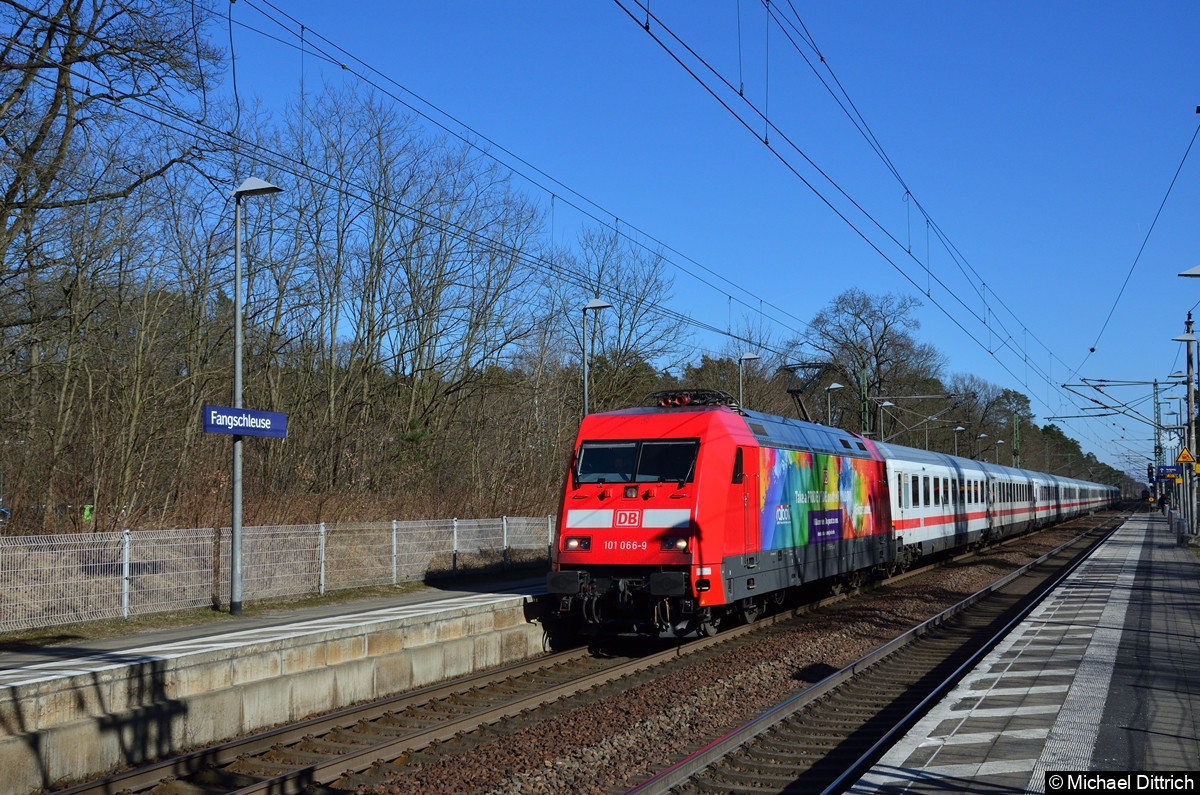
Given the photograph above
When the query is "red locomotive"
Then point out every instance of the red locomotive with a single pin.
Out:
(681, 515)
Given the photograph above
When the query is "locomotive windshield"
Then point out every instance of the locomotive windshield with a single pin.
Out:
(637, 462)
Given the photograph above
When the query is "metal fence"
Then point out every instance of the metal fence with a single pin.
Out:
(62, 579)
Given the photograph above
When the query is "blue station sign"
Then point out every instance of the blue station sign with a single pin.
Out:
(245, 422)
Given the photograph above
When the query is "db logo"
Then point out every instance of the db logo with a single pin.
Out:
(629, 518)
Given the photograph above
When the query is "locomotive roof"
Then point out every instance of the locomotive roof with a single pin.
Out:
(777, 431)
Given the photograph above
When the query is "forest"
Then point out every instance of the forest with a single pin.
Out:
(404, 304)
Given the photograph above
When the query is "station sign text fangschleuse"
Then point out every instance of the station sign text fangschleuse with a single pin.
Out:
(244, 422)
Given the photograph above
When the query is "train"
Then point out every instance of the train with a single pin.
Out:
(691, 512)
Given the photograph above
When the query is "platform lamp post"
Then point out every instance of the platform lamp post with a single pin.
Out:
(1190, 480)
(829, 402)
(998, 443)
(253, 186)
(596, 305)
(1193, 273)
(745, 357)
(978, 444)
(957, 430)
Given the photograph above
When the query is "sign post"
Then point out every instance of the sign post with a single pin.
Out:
(240, 422)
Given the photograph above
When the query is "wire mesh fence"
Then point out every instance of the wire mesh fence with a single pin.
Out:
(50, 580)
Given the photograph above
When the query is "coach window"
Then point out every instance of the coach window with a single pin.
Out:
(937, 491)
(925, 489)
(916, 491)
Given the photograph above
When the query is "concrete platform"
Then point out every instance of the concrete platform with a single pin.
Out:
(1103, 676)
(80, 709)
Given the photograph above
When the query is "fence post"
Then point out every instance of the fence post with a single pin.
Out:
(393, 552)
(125, 573)
(321, 586)
(454, 553)
(504, 560)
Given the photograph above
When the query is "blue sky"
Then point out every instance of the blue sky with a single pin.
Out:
(1040, 138)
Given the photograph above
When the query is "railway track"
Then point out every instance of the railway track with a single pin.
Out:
(315, 755)
(823, 739)
(342, 751)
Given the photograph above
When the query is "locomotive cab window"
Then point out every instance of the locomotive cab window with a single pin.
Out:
(640, 462)
(667, 461)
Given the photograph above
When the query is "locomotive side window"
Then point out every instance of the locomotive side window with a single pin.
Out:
(671, 461)
(606, 462)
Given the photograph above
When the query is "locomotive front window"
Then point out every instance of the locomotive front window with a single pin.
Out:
(606, 462)
(640, 462)
(673, 461)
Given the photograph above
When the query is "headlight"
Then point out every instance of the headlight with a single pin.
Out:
(675, 545)
(577, 543)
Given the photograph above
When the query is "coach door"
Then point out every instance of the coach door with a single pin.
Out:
(902, 500)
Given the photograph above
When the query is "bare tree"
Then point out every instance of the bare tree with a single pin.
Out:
(66, 67)
(873, 337)
(634, 341)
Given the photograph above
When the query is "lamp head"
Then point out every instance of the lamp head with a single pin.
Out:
(253, 186)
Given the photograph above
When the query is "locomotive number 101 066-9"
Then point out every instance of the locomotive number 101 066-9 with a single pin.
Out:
(626, 545)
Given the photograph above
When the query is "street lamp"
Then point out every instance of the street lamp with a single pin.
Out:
(957, 429)
(998, 443)
(829, 403)
(978, 446)
(253, 186)
(745, 357)
(595, 305)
